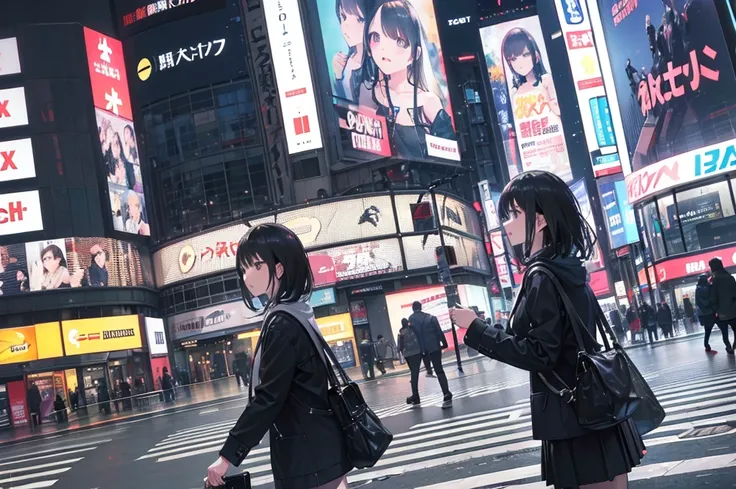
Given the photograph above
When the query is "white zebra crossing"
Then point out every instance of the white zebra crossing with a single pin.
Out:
(703, 400)
(42, 468)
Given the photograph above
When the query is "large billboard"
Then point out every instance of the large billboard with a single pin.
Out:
(134, 16)
(97, 335)
(72, 262)
(213, 319)
(118, 140)
(188, 54)
(674, 83)
(594, 108)
(518, 46)
(388, 80)
(620, 217)
(24, 344)
(293, 75)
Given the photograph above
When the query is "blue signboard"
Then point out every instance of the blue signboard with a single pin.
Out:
(323, 297)
(627, 213)
(573, 12)
(620, 220)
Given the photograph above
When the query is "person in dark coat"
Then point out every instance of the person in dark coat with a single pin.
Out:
(687, 308)
(617, 325)
(34, 404)
(60, 409)
(431, 341)
(97, 272)
(544, 224)
(288, 394)
(664, 319)
(367, 356)
(707, 315)
(723, 296)
(649, 321)
(167, 385)
(408, 345)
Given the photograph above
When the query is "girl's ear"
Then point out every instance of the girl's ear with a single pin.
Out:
(279, 271)
(419, 53)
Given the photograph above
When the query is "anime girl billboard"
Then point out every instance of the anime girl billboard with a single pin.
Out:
(388, 78)
(519, 46)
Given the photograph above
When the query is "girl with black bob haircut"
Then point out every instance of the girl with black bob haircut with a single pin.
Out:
(288, 391)
(544, 224)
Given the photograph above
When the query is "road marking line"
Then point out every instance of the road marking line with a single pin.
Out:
(36, 485)
(70, 452)
(42, 466)
(34, 476)
(52, 450)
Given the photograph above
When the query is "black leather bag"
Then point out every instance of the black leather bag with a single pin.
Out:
(366, 438)
(604, 393)
(240, 481)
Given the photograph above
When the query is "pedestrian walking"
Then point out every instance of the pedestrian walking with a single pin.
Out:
(381, 348)
(288, 396)
(431, 342)
(238, 374)
(60, 410)
(543, 221)
(664, 319)
(707, 315)
(617, 325)
(367, 356)
(723, 297)
(649, 320)
(408, 345)
(34, 404)
(167, 384)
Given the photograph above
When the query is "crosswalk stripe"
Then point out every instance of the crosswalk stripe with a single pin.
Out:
(472, 415)
(696, 390)
(36, 485)
(34, 476)
(52, 450)
(42, 466)
(499, 418)
(32, 459)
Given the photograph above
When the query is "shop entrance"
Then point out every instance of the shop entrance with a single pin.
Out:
(210, 359)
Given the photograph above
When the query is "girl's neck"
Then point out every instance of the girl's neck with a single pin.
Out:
(397, 81)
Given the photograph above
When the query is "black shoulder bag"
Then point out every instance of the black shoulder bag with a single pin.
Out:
(366, 438)
(609, 389)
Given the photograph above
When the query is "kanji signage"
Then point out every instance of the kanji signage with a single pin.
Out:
(293, 75)
(183, 55)
(151, 9)
(107, 73)
(13, 111)
(16, 160)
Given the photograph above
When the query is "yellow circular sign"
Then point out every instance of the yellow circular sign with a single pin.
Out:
(187, 258)
(144, 69)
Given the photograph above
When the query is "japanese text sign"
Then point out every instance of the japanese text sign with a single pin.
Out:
(20, 212)
(107, 74)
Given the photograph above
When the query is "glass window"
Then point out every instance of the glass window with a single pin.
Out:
(670, 225)
(652, 230)
(238, 183)
(215, 190)
(707, 216)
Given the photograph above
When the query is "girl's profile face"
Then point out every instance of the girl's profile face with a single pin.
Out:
(50, 263)
(515, 226)
(522, 64)
(352, 26)
(390, 55)
(256, 277)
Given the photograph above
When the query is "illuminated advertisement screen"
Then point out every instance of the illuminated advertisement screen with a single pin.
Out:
(118, 141)
(364, 259)
(9, 58)
(586, 73)
(137, 15)
(97, 335)
(20, 212)
(13, 110)
(72, 262)
(211, 319)
(620, 217)
(293, 75)
(16, 160)
(24, 344)
(581, 194)
(676, 89)
(516, 51)
(186, 54)
(388, 80)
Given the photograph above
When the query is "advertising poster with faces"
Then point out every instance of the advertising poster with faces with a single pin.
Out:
(72, 262)
(672, 74)
(388, 79)
(123, 173)
(518, 46)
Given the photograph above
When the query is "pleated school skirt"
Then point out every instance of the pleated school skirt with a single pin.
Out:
(592, 458)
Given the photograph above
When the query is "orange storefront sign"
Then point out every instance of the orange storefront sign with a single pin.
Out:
(30, 343)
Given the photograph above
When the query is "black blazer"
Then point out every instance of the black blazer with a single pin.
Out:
(541, 340)
(307, 450)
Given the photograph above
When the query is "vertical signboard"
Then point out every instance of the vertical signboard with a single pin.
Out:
(118, 139)
(519, 47)
(293, 75)
(13, 111)
(16, 160)
(586, 74)
(595, 262)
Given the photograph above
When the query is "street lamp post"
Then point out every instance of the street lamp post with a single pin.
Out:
(445, 274)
